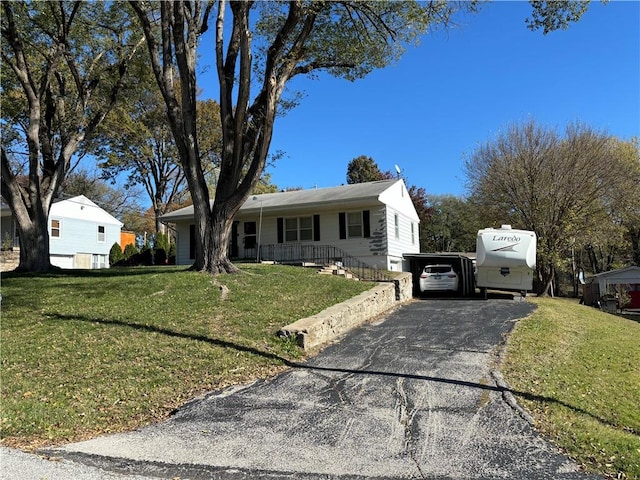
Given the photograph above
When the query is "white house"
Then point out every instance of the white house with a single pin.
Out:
(374, 222)
(80, 233)
(600, 284)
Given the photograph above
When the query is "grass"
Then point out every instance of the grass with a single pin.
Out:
(578, 371)
(86, 353)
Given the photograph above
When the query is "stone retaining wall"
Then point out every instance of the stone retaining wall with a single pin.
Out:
(314, 331)
(9, 260)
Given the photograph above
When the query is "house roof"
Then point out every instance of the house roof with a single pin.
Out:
(344, 194)
(79, 207)
(82, 208)
(623, 275)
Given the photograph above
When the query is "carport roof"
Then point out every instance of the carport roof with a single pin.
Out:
(432, 255)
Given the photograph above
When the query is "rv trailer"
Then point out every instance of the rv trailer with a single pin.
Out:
(505, 259)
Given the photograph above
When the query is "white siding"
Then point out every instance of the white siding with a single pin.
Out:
(81, 236)
(404, 244)
(381, 249)
(182, 244)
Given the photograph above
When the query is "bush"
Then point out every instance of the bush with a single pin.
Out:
(172, 254)
(115, 254)
(160, 256)
(161, 242)
(146, 257)
(129, 251)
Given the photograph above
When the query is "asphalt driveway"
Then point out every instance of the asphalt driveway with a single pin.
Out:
(411, 395)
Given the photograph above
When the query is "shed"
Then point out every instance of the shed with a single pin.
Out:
(462, 264)
(628, 278)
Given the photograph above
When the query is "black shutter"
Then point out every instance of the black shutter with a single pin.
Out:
(366, 224)
(280, 230)
(316, 228)
(192, 242)
(343, 225)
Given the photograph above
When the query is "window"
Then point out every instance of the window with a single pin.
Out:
(298, 229)
(101, 234)
(290, 229)
(354, 224)
(306, 229)
(413, 233)
(396, 223)
(99, 261)
(55, 228)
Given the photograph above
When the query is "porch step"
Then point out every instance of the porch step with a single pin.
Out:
(336, 270)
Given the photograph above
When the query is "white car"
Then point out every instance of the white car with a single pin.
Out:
(438, 278)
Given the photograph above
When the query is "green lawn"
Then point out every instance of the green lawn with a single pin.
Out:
(91, 352)
(578, 371)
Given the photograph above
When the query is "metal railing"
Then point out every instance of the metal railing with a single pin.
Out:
(300, 253)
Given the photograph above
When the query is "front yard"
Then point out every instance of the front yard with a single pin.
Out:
(102, 351)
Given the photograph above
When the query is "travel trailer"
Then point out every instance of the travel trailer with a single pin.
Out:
(506, 259)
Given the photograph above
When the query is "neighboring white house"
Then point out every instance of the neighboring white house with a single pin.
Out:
(374, 222)
(601, 284)
(80, 233)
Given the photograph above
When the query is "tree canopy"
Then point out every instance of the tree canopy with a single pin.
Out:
(365, 169)
(63, 67)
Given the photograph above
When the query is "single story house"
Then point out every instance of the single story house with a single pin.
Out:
(375, 222)
(80, 233)
(601, 284)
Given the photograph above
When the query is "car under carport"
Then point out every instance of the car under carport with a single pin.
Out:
(462, 264)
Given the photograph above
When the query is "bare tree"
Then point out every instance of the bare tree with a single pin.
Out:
(551, 184)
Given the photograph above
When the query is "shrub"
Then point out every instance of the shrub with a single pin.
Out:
(129, 251)
(146, 257)
(161, 242)
(7, 243)
(172, 254)
(115, 254)
(160, 256)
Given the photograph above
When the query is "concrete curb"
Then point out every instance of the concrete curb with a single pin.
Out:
(324, 327)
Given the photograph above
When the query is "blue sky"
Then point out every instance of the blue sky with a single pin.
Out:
(458, 89)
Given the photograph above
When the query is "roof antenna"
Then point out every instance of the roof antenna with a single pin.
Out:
(398, 171)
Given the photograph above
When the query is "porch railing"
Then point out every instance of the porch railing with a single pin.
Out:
(321, 255)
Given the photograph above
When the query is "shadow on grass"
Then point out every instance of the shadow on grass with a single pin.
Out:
(97, 272)
(298, 365)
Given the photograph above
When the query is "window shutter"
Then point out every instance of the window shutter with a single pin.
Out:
(343, 225)
(192, 242)
(316, 228)
(366, 225)
(280, 230)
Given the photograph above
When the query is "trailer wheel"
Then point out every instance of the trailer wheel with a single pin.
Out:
(523, 293)
(483, 292)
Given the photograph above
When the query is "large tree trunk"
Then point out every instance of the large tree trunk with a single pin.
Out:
(545, 281)
(33, 234)
(34, 248)
(217, 255)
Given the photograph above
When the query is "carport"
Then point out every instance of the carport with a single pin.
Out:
(462, 264)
